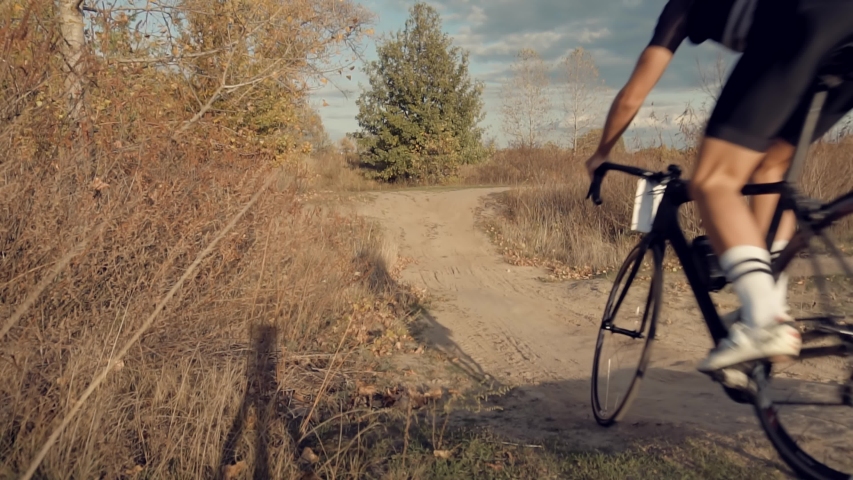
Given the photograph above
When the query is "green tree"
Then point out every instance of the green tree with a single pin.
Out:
(419, 119)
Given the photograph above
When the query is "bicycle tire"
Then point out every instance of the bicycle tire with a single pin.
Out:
(634, 259)
(804, 464)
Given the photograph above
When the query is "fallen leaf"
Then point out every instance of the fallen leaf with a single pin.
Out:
(367, 390)
(309, 456)
(434, 393)
(443, 454)
(98, 184)
(133, 471)
(230, 472)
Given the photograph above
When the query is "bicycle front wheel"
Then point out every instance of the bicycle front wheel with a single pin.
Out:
(627, 331)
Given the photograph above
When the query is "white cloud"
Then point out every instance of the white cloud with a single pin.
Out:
(587, 36)
(508, 45)
(477, 15)
(493, 31)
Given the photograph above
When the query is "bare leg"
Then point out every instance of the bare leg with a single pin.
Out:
(723, 170)
(721, 173)
(772, 169)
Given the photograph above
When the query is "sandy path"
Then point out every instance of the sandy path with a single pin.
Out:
(500, 320)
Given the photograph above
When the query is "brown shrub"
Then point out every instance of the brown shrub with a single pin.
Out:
(258, 346)
(338, 172)
(518, 166)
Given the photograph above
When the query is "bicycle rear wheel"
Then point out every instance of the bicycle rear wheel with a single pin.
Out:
(627, 331)
(805, 407)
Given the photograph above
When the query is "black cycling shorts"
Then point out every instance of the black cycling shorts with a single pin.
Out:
(769, 91)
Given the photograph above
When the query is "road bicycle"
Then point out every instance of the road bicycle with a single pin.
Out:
(824, 449)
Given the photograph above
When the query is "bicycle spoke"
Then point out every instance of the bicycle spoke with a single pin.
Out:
(624, 338)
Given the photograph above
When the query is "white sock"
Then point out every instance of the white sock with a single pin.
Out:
(782, 282)
(748, 269)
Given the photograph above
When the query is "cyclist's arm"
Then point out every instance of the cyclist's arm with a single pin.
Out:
(648, 70)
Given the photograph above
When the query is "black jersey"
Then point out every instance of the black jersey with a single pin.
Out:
(726, 22)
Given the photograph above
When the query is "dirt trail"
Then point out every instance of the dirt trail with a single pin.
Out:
(503, 321)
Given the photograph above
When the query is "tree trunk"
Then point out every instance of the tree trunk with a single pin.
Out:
(73, 40)
(574, 133)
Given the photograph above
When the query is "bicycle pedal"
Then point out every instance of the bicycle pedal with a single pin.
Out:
(734, 378)
(737, 384)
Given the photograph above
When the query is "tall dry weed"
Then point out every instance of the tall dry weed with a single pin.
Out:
(98, 223)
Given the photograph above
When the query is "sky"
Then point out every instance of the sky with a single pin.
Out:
(493, 31)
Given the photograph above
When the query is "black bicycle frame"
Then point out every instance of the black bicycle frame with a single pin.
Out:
(666, 228)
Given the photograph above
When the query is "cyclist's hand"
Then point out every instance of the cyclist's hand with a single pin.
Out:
(594, 162)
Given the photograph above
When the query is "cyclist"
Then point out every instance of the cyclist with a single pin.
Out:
(751, 134)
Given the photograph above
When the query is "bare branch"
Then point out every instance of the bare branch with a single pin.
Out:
(526, 105)
(170, 59)
(580, 92)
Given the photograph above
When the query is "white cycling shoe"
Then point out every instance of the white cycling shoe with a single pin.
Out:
(745, 344)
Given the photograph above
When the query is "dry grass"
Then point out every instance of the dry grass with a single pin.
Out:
(487, 456)
(294, 285)
(258, 353)
(332, 171)
(548, 220)
(519, 166)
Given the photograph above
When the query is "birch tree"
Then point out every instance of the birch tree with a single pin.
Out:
(71, 48)
(527, 105)
(582, 85)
